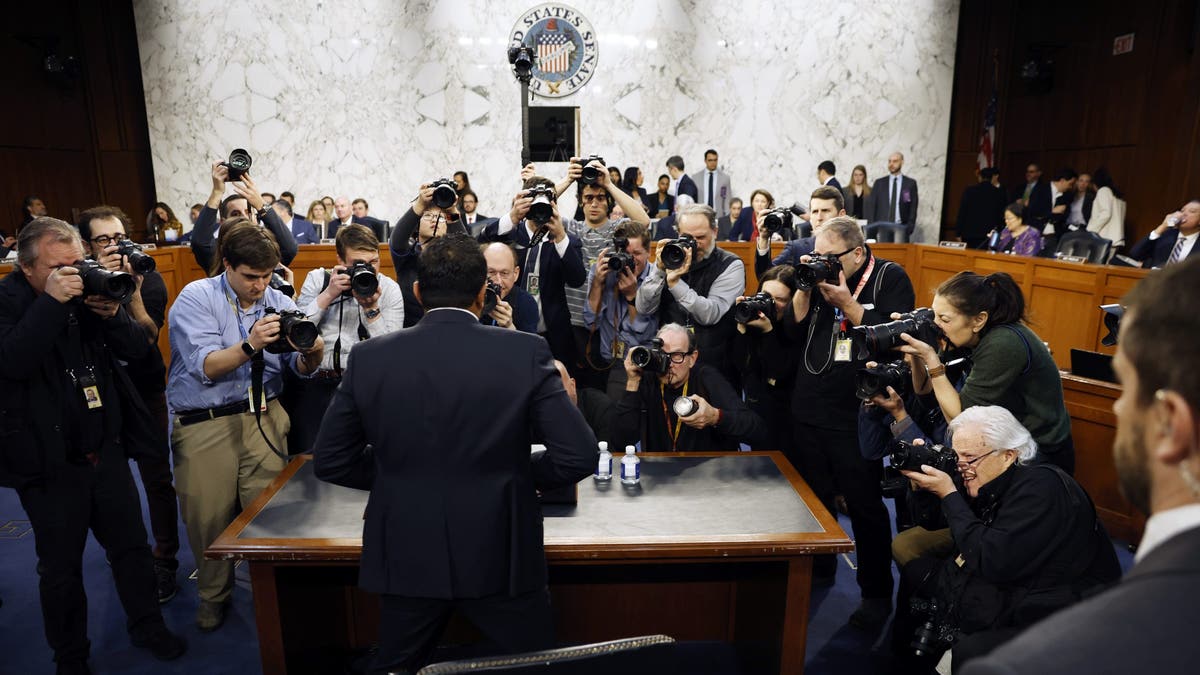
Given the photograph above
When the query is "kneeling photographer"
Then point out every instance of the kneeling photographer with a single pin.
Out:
(349, 304)
(765, 356)
(672, 403)
(1027, 538)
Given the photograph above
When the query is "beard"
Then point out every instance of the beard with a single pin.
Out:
(1129, 455)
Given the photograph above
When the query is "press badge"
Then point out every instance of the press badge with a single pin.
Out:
(841, 350)
(532, 282)
(618, 349)
(89, 388)
(262, 399)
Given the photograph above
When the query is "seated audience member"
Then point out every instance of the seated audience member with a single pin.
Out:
(34, 207)
(611, 313)
(824, 204)
(332, 300)
(857, 193)
(725, 223)
(419, 225)
(246, 202)
(632, 186)
(193, 215)
(162, 225)
(981, 210)
(8, 243)
(515, 308)
(361, 215)
(1146, 624)
(1019, 236)
(614, 176)
(1027, 538)
(301, 229)
(330, 210)
(1108, 209)
(1010, 365)
(319, 218)
(1173, 241)
(745, 228)
(595, 406)
(765, 359)
(288, 197)
(894, 196)
(343, 214)
(681, 183)
(1079, 206)
(721, 420)
(827, 175)
(661, 204)
(668, 228)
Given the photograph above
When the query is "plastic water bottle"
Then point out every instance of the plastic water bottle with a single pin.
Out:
(631, 470)
(604, 465)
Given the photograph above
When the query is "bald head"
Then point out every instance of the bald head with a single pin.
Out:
(895, 162)
(342, 208)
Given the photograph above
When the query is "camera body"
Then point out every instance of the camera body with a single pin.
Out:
(618, 258)
(541, 211)
(238, 164)
(363, 279)
(674, 252)
(818, 268)
(445, 193)
(907, 456)
(749, 309)
(491, 296)
(934, 635)
(872, 382)
(651, 359)
(280, 283)
(591, 175)
(777, 220)
(294, 329)
(875, 341)
(522, 58)
(138, 259)
(105, 283)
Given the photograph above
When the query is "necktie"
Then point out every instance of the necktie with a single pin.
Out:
(1176, 251)
(895, 199)
(710, 189)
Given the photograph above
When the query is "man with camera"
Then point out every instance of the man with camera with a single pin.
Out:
(70, 417)
(350, 303)
(246, 202)
(232, 336)
(826, 202)
(103, 230)
(434, 213)
(512, 307)
(693, 283)
(681, 404)
(765, 355)
(843, 285)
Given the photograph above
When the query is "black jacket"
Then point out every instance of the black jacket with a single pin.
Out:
(405, 252)
(204, 241)
(1156, 252)
(981, 211)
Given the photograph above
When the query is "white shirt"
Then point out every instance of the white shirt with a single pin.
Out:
(1188, 242)
(1167, 524)
(673, 190)
(828, 179)
(348, 312)
(1054, 195)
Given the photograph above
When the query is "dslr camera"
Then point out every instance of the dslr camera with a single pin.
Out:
(363, 280)
(541, 211)
(618, 258)
(872, 382)
(777, 220)
(749, 309)
(138, 259)
(591, 175)
(651, 359)
(491, 296)
(907, 456)
(445, 193)
(238, 164)
(874, 341)
(105, 283)
(279, 283)
(674, 252)
(819, 268)
(294, 329)
(934, 635)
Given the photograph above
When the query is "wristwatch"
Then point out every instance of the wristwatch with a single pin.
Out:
(938, 370)
(372, 313)
(246, 347)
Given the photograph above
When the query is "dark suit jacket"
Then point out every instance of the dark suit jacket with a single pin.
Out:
(1145, 624)
(687, 186)
(653, 206)
(723, 227)
(204, 241)
(665, 228)
(879, 208)
(1154, 253)
(377, 226)
(790, 255)
(304, 232)
(453, 511)
(981, 211)
(833, 183)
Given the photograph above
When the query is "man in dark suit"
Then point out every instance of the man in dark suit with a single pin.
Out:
(825, 203)
(725, 223)
(1173, 241)
(453, 521)
(1033, 181)
(1047, 209)
(301, 229)
(981, 210)
(471, 218)
(683, 183)
(343, 213)
(827, 174)
(360, 209)
(1147, 622)
(894, 196)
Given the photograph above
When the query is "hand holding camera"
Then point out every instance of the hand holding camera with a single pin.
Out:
(246, 188)
(105, 308)
(503, 314)
(754, 311)
(588, 170)
(926, 466)
(64, 284)
(703, 416)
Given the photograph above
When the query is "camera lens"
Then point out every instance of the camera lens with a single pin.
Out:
(444, 194)
(684, 406)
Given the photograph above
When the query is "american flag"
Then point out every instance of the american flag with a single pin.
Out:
(987, 141)
(554, 52)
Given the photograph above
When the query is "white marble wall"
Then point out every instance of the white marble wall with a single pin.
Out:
(372, 97)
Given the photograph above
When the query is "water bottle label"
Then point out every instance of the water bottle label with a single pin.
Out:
(604, 467)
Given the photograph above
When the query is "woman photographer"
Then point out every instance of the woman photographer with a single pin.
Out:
(1027, 543)
(1010, 365)
(765, 357)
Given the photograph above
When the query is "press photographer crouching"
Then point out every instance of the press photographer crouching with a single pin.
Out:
(679, 404)
(350, 303)
(1027, 543)
(231, 334)
(69, 418)
(505, 304)
(765, 356)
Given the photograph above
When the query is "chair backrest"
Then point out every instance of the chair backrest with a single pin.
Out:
(888, 233)
(646, 655)
(803, 229)
(1085, 244)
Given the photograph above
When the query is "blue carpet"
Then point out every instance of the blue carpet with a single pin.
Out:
(833, 646)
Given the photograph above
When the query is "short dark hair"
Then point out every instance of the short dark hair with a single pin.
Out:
(1017, 209)
(286, 193)
(608, 198)
(832, 193)
(710, 151)
(738, 200)
(469, 191)
(99, 213)
(633, 230)
(784, 274)
(764, 193)
(1065, 173)
(356, 237)
(29, 200)
(675, 161)
(223, 210)
(283, 204)
(264, 195)
(997, 294)
(451, 271)
(248, 244)
(363, 201)
(1158, 334)
(538, 180)
(988, 173)
(828, 167)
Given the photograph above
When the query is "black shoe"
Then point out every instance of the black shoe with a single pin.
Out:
(164, 575)
(79, 667)
(872, 613)
(162, 643)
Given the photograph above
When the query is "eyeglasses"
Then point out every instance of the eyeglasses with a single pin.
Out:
(431, 215)
(105, 240)
(588, 199)
(969, 470)
(500, 274)
(676, 357)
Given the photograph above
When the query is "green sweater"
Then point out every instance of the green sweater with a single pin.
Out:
(1024, 380)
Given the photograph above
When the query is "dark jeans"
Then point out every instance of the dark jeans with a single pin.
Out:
(409, 628)
(104, 499)
(831, 464)
(305, 402)
(159, 484)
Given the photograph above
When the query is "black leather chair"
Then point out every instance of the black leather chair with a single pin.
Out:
(1085, 244)
(803, 229)
(888, 233)
(646, 655)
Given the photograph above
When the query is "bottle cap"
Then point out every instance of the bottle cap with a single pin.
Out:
(603, 446)
(629, 449)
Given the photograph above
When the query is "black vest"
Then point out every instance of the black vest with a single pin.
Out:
(712, 341)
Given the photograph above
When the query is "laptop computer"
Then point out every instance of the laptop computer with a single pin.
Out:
(1092, 365)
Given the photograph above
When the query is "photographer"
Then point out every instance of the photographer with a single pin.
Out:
(420, 224)
(700, 291)
(765, 356)
(1010, 365)
(350, 303)
(515, 309)
(866, 291)
(219, 327)
(245, 203)
(1028, 541)
(103, 230)
(720, 421)
(611, 309)
(70, 416)
(826, 202)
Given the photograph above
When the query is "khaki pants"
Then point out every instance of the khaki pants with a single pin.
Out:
(918, 542)
(220, 467)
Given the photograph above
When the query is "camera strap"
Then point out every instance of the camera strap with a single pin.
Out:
(363, 334)
(258, 366)
(662, 395)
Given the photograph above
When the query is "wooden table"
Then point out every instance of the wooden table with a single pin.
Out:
(710, 546)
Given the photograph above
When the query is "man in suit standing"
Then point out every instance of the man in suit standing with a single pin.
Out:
(301, 229)
(1147, 622)
(725, 223)
(359, 208)
(681, 183)
(981, 210)
(894, 196)
(472, 219)
(826, 173)
(476, 546)
(1173, 241)
(1033, 183)
(713, 185)
(1048, 209)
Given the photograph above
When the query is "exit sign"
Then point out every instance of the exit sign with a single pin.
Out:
(1122, 44)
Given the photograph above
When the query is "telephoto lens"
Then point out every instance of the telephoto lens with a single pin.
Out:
(363, 280)
(684, 406)
(875, 341)
(279, 283)
(777, 220)
(138, 259)
(749, 309)
(238, 164)
(674, 252)
(907, 456)
(105, 283)
(618, 257)
(294, 329)
(445, 193)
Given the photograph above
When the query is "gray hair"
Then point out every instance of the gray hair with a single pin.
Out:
(682, 202)
(700, 210)
(29, 241)
(845, 229)
(679, 328)
(1000, 430)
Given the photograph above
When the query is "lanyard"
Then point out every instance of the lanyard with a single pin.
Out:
(662, 389)
(862, 283)
(237, 316)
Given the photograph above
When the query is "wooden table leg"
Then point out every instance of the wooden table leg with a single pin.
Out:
(267, 619)
(795, 616)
